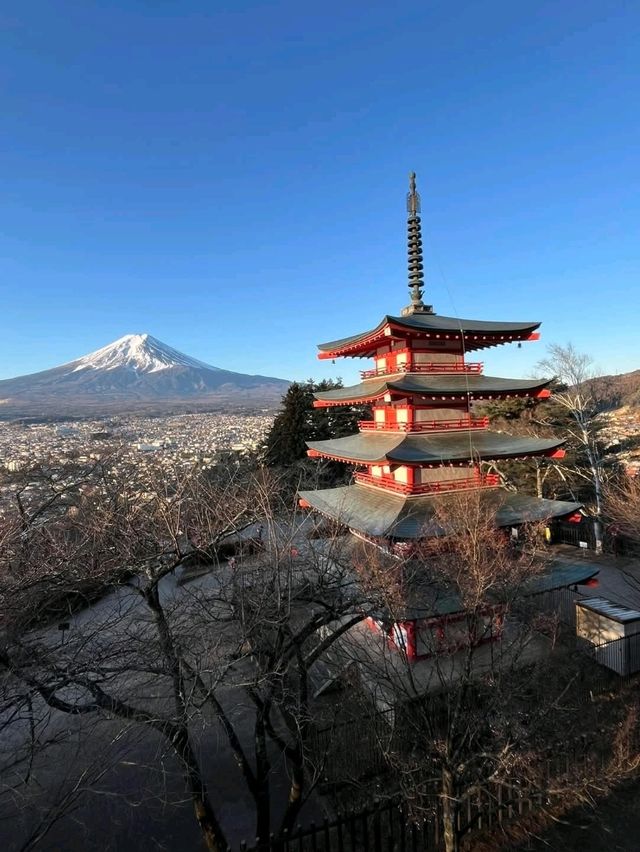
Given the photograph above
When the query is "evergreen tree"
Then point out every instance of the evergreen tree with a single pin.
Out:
(298, 422)
(286, 442)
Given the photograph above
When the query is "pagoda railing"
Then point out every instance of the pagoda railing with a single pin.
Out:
(489, 480)
(462, 423)
(431, 367)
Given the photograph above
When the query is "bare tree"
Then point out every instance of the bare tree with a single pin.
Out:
(578, 395)
(182, 661)
(489, 694)
(623, 506)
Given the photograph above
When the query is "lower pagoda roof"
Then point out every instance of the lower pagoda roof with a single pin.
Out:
(479, 334)
(431, 448)
(435, 386)
(383, 514)
(423, 593)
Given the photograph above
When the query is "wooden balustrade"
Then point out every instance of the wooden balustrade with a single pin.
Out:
(489, 480)
(462, 423)
(428, 367)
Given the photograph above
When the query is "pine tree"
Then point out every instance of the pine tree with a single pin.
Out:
(286, 441)
(298, 422)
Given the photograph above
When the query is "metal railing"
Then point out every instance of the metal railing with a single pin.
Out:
(391, 825)
(620, 655)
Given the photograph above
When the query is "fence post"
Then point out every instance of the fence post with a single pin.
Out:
(340, 837)
(377, 839)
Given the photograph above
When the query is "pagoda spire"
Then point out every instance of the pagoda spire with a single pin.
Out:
(414, 236)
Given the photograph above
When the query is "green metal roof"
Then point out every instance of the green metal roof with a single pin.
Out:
(431, 448)
(433, 322)
(382, 514)
(560, 576)
(432, 386)
(425, 596)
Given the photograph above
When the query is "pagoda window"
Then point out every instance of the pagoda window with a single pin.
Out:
(379, 415)
(445, 474)
(425, 357)
(402, 415)
(402, 358)
(380, 470)
(423, 415)
(401, 474)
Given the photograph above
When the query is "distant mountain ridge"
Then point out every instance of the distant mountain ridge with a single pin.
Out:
(622, 390)
(135, 372)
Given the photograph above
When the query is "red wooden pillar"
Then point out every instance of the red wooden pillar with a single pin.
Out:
(412, 644)
(411, 477)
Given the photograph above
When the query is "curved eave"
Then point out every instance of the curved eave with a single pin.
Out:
(431, 451)
(435, 388)
(383, 515)
(478, 334)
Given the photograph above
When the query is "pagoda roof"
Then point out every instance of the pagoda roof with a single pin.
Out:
(431, 448)
(479, 334)
(424, 598)
(423, 593)
(435, 385)
(383, 514)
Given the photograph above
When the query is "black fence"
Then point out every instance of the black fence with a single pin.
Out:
(583, 535)
(621, 656)
(560, 603)
(579, 535)
(396, 825)
(384, 827)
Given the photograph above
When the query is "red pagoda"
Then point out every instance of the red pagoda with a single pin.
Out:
(425, 439)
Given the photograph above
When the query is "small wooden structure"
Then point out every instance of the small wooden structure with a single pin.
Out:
(614, 630)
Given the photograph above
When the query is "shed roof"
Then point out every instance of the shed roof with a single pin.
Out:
(614, 611)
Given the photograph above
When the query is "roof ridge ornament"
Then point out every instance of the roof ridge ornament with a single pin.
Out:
(414, 238)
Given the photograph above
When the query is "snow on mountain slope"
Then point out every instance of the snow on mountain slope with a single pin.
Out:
(137, 371)
(140, 352)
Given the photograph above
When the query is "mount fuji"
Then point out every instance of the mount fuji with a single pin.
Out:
(136, 372)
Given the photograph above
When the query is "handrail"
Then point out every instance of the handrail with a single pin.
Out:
(462, 423)
(489, 480)
(427, 367)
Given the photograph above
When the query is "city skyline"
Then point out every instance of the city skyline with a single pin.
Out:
(234, 183)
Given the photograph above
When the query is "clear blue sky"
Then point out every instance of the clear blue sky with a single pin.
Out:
(231, 176)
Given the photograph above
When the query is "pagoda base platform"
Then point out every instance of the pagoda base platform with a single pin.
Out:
(376, 513)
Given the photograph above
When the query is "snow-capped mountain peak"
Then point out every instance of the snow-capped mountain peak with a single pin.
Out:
(135, 373)
(141, 353)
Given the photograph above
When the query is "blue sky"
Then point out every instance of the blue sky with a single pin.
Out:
(231, 176)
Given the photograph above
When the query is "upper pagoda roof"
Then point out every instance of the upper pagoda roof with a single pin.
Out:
(478, 334)
(433, 386)
(431, 448)
(385, 515)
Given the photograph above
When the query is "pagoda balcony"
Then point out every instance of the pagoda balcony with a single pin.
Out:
(461, 424)
(489, 480)
(430, 367)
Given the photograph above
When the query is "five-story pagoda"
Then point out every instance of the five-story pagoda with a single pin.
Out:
(425, 440)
